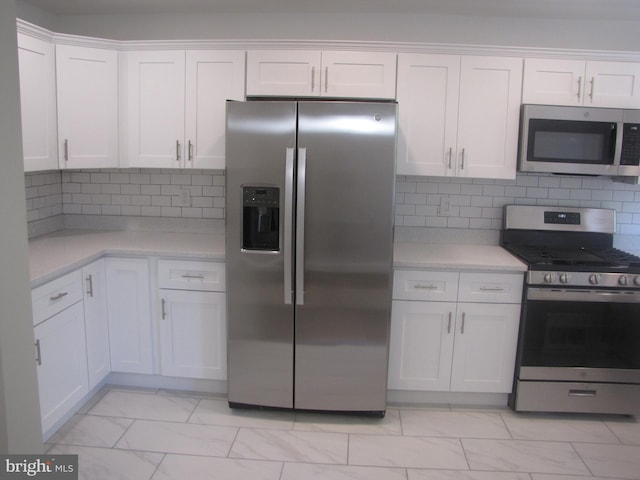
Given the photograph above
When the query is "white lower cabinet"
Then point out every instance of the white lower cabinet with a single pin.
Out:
(454, 346)
(193, 334)
(61, 357)
(129, 309)
(96, 321)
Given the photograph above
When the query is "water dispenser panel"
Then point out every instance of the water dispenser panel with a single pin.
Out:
(261, 218)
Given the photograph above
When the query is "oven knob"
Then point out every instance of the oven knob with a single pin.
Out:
(548, 278)
(564, 278)
(623, 280)
(594, 279)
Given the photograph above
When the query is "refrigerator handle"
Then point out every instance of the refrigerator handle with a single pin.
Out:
(300, 209)
(288, 226)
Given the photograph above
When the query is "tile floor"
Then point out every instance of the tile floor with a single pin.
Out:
(161, 435)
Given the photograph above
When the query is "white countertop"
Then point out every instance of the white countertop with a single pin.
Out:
(455, 257)
(58, 253)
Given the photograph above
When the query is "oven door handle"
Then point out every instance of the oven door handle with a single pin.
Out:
(575, 295)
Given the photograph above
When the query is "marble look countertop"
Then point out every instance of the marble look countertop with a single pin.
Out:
(61, 252)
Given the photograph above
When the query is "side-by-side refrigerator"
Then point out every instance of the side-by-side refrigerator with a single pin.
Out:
(309, 226)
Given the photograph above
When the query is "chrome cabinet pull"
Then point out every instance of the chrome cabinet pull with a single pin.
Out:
(420, 286)
(326, 79)
(38, 353)
(59, 296)
(66, 150)
(90, 285)
(462, 162)
(193, 276)
(449, 324)
(163, 308)
(450, 156)
(313, 79)
(593, 81)
(582, 393)
(491, 289)
(190, 151)
(462, 326)
(579, 86)
(177, 150)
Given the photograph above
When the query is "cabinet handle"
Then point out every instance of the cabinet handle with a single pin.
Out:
(582, 393)
(326, 79)
(199, 276)
(450, 156)
(420, 286)
(177, 150)
(593, 81)
(90, 285)
(38, 354)
(462, 162)
(59, 296)
(462, 326)
(449, 324)
(491, 289)
(66, 150)
(313, 79)
(579, 86)
(164, 310)
(190, 151)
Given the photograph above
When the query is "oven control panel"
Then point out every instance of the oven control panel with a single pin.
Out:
(584, 279)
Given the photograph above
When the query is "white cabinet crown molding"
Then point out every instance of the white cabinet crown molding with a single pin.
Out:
(290, 44)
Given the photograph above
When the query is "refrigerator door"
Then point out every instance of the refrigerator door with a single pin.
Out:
(260, 139)
(347, 154)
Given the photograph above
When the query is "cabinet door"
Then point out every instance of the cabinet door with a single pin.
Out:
(283, 73)
(193, 334)
(553, 81)
(38, 103)
(96, 321)
(359, 74)
(485, 347)
(421, 345)
(129, 312)
(62, 364)
(612, 84)
(155, 105)
(87, 80)
(211, 79)
(428, 87)
(488, 116)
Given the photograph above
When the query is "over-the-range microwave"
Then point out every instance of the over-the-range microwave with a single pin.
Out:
(579, 140)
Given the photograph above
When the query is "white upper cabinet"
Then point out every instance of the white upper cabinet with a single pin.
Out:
(313, 73)
(175, 106)
(458, 116)
(38, 103)
(576, 82)
(87, 80)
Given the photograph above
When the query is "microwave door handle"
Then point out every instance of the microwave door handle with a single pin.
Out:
(616, 143)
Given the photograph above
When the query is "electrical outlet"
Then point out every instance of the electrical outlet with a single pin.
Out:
(444, 205)
(184, 199)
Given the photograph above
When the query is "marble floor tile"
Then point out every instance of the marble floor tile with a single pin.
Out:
(290, 446)
(184, 438)
(217, 412)
(463, 424)
(325, 422)
(523, 456)
(550, 476)
(464, 475)
(627, 429)
(146, 406)
(111, 464)
(306, 471)
(91, 431)
(619, 461)
(188, 467)
(406, 452)
(564, 428)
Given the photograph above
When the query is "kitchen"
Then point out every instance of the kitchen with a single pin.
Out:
(476, 204)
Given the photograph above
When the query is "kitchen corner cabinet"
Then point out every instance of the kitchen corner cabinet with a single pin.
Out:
(174, 106)
(458, 115)
(321, 73)
(129, 313)
(60, 347)
(454, 331)
(38, 103)
(576, 82)
(87, 88)
(96, 321)
(192, 319)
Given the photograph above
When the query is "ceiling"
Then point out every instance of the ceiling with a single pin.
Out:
(565, 9)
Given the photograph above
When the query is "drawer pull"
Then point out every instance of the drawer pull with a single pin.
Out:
(582, 393)
(449, 324)
(491, 289)
(90, 285)
(191, 276)
(59, 296)
(421, 286)
(164, 309)
(38, 356)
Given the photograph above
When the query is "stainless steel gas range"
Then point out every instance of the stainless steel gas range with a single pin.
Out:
(579, 340)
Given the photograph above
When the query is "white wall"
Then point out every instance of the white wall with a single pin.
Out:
(580, 34)
(19, 407)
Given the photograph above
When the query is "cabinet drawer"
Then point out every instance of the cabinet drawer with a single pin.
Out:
(202, 276)
(55, 296)
(425, 285)
(490, 287)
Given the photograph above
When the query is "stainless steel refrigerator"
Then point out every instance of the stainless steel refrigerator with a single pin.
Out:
(309, 226)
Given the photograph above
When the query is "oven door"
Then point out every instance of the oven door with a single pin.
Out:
(580, 335)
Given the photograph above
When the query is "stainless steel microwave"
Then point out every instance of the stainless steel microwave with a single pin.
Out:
(579, 140)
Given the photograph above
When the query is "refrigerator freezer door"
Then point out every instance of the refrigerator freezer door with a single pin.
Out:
(342, 326)
(260, 323)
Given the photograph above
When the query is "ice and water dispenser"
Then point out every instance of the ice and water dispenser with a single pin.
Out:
(260, 218)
